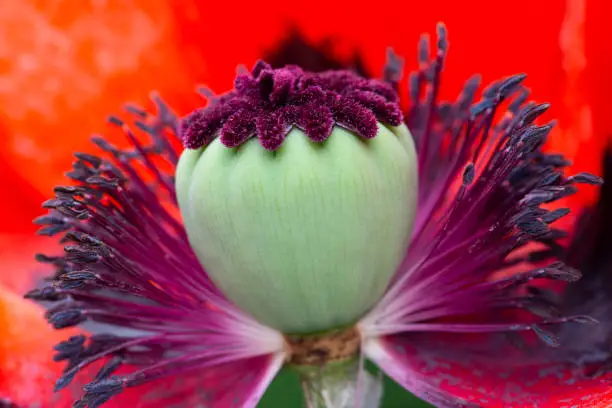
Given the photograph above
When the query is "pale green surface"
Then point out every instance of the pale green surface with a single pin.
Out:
(305, 238)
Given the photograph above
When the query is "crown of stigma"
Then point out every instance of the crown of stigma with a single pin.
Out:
(268, 102)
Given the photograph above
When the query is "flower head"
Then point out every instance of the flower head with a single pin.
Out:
(307, 237)
(466, 290)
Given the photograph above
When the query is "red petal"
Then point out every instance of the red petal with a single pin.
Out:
(19, 270)
(469, 376)
(20, 201)
(64, 71)
(27, 371)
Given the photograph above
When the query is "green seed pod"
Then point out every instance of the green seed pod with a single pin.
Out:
(307, 237)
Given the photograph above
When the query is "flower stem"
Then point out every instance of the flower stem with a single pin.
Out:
(344, 384)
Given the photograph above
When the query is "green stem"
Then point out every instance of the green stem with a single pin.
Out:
(340, 385)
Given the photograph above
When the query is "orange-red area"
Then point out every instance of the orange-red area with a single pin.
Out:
(27, 373)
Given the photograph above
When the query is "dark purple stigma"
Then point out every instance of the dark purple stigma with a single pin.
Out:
(268, 102)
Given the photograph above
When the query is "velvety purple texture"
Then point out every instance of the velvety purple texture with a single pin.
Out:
(268, 102)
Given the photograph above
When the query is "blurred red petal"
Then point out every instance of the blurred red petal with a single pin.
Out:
(65, 65)
(19, 199)
(598, 81)
(486, 36)
(27, 371)
(582, 134)
(19, 269)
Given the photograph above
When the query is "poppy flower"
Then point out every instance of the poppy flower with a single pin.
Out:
(421, 217)
(223, 72)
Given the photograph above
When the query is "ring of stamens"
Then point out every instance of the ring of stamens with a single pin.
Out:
(320, 349)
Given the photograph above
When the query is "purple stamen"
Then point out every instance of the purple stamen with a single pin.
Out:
(127, 263)
(499, 177)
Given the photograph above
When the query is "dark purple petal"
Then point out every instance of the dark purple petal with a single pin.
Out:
(355, 117)
(259, 67)
(272, 129)
(283, 83)
(383, 89)
(238, 128)
(316, 120)
(342, 81)
(200, 127)
(247, 86)
(386, 112)
(310, 95)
